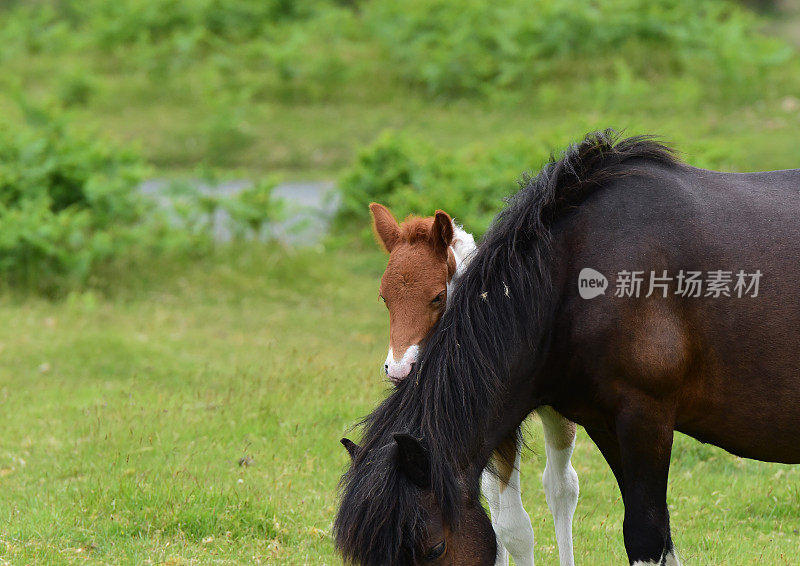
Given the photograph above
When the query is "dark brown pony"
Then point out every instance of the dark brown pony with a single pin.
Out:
(720, 365)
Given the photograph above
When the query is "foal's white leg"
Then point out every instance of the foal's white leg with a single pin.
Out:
(490, 485)
(559, 478)
(510, 521)
(513, 525)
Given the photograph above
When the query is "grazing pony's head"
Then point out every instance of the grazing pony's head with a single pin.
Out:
(422, 262)
(408, 526)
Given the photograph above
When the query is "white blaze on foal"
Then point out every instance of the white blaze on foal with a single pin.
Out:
(426, 256)
(399, 370)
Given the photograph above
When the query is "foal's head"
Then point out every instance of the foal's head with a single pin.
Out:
(414, 285)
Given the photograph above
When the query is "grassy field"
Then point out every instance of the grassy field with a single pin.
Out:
(188, 411)
(317, 140)
(192, 416)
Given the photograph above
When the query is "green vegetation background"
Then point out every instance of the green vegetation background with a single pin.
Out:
(167, 399)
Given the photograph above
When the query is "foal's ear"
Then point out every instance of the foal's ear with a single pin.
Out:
(413, 460)
(442, 232)
(386, 228)
(352, 448)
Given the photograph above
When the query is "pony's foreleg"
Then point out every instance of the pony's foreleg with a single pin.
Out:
(559, 478)
(510, 520)
(490, 485)
(645, 444)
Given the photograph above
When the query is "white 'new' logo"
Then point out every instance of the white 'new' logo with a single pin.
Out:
(591, 283)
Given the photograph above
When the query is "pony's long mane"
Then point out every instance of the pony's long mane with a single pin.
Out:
(501, 304)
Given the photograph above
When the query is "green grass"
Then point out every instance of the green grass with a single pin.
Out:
(319, 140)
(125, 416)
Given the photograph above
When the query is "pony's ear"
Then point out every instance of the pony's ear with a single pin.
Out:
(442, 232)
(386, 228)
(413, 460)
(352, 448)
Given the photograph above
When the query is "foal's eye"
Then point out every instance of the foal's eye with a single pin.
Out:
(382, 298)
(437, 300)
(436, 552)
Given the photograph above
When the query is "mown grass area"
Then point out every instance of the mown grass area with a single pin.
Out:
(125, 417)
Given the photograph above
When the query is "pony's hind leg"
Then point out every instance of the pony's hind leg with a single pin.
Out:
(645, 444)
(510, 520)
(559, 478)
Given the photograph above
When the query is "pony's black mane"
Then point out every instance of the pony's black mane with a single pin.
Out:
(501, 304)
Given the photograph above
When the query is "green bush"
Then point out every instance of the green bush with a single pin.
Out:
(70, 203)
(249, 212)
(314, 50)
(473, 46)
(410, 176)
(253, 208)
(67, 201)
(132, 22)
